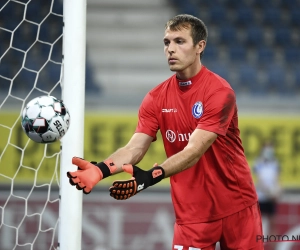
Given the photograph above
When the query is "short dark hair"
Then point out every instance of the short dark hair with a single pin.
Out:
(198, 28)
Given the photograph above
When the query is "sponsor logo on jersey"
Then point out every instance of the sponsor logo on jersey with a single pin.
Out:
(169, 110)
(172, 136)
(197, 110)
(182, 84)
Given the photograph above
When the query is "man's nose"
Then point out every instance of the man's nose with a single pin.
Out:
(171, 48)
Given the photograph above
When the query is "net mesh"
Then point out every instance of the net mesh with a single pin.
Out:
(30, 66)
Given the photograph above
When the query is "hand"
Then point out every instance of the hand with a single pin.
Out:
(89, 173)
(122, 190)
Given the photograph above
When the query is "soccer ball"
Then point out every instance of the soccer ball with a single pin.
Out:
(45, 119)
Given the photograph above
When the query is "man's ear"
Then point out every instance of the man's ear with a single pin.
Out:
(201, 46)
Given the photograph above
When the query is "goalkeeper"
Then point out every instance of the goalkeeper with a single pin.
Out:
(195, 110)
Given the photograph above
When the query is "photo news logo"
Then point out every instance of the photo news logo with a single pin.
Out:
(278, 238)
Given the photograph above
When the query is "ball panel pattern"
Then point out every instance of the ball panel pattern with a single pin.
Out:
(33, 111)
(45, 119)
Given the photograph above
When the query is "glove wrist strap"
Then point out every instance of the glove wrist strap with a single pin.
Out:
(107, 167)
(157, 174)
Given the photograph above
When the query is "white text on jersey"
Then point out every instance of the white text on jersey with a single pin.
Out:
(172, 136)
(169, 110)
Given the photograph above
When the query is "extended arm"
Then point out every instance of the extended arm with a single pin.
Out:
(90, 173)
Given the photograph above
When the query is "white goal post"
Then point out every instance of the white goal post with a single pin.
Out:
(39, 209)
(73, 93)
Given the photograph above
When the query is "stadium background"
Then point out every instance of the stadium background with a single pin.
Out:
(253, 44)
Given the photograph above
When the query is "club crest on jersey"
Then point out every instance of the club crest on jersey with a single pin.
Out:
(197, 110)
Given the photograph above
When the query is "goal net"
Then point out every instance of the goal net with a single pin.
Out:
(31, 49)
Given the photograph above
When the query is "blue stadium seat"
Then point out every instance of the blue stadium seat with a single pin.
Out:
(54, 71)
(57, 7)
(276, 79)
(4, 87)
(5, 70)
(14, 59)
(33, 12)
(48, 76)
(23, 83)
(14, 13)
(187, 7)
(51, 28)
(24, 80)
(247, 77)
(265, 54)
(219, 68)
(44, 34)
(5, 41)
(37, 56)
(56, 54)
(295, 17)
(217, 14)
(2, 4)
(25, 36)
(37, 10)
(262, 3)
(289, 4)
(33, 63)
(272, 16)
(297, 82)
(254, 35)
(292, 54)
(237, 52)
(210, 53)
(228, 34)
(44, 50)
(282, 35)
(233, 3)
(244, 15)
(206, 3)
(297, 75)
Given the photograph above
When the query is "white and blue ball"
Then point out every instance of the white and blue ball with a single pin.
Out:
(45, 119)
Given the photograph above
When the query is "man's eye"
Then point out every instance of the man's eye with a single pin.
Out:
(166, 43)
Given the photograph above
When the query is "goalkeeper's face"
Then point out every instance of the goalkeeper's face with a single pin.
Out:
(180, 50)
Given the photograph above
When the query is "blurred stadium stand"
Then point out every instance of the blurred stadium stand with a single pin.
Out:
(255, 36)
(254, 44)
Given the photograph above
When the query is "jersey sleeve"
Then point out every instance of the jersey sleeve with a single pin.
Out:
(219, 109)
(147, 120)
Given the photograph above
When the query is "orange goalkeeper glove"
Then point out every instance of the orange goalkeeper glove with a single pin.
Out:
(89, 173)
(122, 190)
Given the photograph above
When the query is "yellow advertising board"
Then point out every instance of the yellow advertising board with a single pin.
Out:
(23, 161)
(284, 131)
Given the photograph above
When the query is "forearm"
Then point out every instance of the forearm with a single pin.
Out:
(132, 153)
(200, 141)
(180, 162)
(124, 155)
